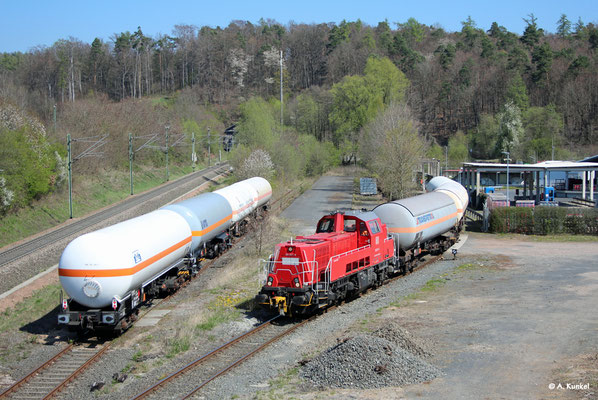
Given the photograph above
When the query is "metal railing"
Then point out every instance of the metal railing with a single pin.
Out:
(306, 270)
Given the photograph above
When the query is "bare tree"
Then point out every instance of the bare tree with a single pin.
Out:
(392, 148)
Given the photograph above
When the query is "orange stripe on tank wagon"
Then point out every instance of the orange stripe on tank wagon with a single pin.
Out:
(109, 273)
(415, 229)
(212, 227)
(250, 204)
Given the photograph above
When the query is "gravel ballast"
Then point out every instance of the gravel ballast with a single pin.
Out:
(367, 362)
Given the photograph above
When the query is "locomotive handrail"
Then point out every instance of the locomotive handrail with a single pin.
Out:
(350, 252)
(270, 265)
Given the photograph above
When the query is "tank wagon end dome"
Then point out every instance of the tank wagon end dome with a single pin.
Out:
(442, 183)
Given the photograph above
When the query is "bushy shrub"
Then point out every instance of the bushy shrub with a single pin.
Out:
(28, 163)
(544, 220)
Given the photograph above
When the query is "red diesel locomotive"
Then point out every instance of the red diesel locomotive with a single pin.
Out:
(349, 253)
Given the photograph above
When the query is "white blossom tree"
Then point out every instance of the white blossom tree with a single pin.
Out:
(258, 163)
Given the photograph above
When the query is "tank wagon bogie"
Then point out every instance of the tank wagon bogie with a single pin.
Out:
(109, 272)
(351, 252)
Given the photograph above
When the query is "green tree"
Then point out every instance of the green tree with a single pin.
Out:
(435, 151)
(357, 99)
(593, 36)
(412, 31)
(542, 58)
(484, 137)
(408, 57)
(517, 92)
(488, 47)
(543, 128)
(458, 149)
(578, 65)
(580, 30)
(469, 32)
(563, 26)
(354, 104)
(532, 34)
(28, 163)
(386, 79)
(257, 124)
(446, 55)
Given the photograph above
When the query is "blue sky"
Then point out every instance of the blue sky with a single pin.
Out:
(25, 24)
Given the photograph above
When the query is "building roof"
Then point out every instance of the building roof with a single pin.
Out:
(542, 166)
(590, 159)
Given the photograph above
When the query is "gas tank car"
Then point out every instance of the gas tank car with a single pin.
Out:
(108, 273)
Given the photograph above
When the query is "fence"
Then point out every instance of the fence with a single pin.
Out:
(544, 220)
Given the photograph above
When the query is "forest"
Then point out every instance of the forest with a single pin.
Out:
(470, 94)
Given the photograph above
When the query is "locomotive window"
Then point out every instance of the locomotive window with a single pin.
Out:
(348, 268)
(349, 225)
(374, 227)
(361, 263)
(354, 264)
(363, 229)
(367, 261)
(326, 225)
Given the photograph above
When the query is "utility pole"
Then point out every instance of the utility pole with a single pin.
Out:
(96, 143)
(167, 172)
(54, 118)
(131, 161)
(209, 149)
(508, 159)
(281, 106)
(70, 163)
(193, 156)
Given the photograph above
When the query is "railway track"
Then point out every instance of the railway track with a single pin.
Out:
(50, 378)
(65, 231)
(217, 362)
(209, 366)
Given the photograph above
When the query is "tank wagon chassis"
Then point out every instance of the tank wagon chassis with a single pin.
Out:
(116, 280)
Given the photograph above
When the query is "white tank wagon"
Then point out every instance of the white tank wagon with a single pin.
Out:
(109, 272)
(455, 190)
(107, 264)
(245, 197)
(428, 222)
(209, 216)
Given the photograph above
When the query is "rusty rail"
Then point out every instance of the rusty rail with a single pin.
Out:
(37, 370)
(46, 366)
(207, 356)
(77, 372)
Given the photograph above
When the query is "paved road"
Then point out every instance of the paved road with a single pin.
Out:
(329, 193)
